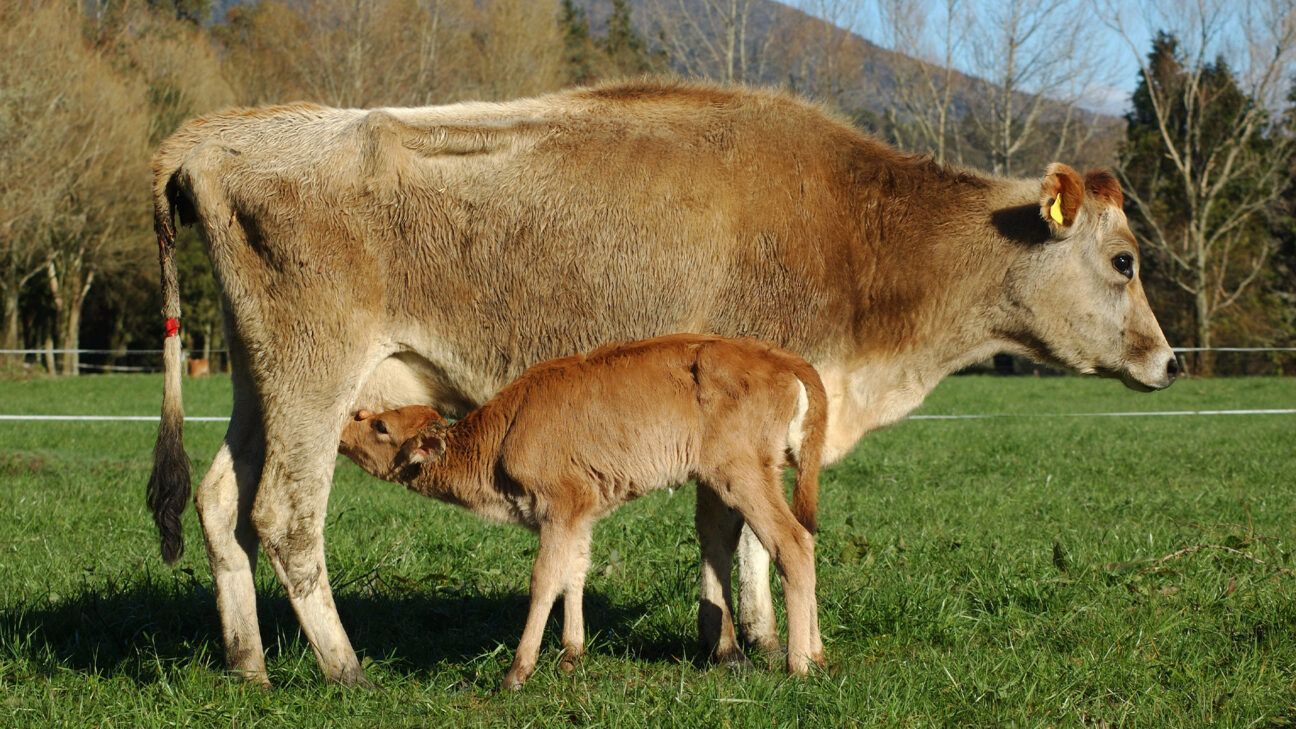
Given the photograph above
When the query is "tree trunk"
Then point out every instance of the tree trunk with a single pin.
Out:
(1201, 313)
(72, 339)
(56, 296)
(72, 327)
(12, 337)
(49, 354)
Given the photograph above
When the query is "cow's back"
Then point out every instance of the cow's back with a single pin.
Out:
(491, 236)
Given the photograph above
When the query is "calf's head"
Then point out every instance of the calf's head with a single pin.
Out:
(374, 440)
(1073, 292)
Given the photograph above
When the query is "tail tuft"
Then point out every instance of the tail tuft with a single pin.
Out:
(168, 487)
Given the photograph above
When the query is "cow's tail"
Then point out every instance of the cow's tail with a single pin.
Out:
(814, 428)
(168, 487)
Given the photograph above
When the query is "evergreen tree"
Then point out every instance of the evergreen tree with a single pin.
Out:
(626, 51)
(1203, 170)
(578, 47)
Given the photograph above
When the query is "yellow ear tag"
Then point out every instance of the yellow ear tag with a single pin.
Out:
(1055, 212)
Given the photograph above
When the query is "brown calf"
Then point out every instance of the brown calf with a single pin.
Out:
(573, 438)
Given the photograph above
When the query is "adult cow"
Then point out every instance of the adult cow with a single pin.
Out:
(380, 258)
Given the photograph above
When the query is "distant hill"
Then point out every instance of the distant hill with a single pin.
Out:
(872, 92)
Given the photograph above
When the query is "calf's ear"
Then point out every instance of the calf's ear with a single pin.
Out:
(1061, 192)
(424, 448)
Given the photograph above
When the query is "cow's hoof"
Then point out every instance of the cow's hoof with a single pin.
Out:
(732, 658)
(352, 677)
(255, 679)
(770, 655)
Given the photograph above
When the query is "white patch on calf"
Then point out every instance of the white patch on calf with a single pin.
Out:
(796, 426)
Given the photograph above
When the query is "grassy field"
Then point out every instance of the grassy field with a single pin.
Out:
(1026, 571)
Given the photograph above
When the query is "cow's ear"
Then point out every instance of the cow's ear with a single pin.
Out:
(1104, 186)
(1061, 192)
(363, 415)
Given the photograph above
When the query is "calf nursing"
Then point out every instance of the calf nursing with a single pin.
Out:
(573, 438)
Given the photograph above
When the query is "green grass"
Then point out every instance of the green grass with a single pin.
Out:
(1016, 571)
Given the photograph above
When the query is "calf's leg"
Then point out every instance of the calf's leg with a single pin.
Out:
(548, 577)
(573, 636)
(793, 550)
(718, 527)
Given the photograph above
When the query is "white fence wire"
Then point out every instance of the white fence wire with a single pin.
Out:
(961, 416)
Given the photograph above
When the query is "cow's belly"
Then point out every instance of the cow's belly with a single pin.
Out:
(408, 378)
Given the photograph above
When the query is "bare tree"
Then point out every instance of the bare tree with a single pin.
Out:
(1226, 173)
(712, 38)
(818, 51)
(30, 116)
(71, 176)
(357, 53)
(1038, 63)
(924, 115)
(74, 153)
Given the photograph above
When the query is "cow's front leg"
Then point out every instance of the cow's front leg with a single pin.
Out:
(755, 602)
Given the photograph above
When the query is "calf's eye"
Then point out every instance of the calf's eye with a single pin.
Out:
(380, 426)
(1124, 263)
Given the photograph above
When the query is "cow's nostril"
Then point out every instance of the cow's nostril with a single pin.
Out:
(1172, 367)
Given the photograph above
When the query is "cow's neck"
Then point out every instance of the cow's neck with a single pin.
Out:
(947, 280)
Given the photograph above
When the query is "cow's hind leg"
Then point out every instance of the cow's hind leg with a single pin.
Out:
(224, 504)
(718, 527)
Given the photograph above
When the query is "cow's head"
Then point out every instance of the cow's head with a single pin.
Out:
(1074, 296)
(374, 440)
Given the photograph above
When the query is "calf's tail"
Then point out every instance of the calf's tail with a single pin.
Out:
(168, 487)
(805, 494)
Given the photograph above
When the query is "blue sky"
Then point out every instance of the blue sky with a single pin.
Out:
(1118, 62)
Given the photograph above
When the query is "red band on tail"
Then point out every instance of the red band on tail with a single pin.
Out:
(172, 326)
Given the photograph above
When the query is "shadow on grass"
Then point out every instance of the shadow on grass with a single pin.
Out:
(143, 629)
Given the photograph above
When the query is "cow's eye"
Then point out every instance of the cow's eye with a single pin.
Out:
(1124, 263)
(380, 426)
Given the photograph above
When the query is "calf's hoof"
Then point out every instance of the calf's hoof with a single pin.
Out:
(570, 660)
(515, 679)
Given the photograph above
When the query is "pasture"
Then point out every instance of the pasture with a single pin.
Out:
(1026, 571)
